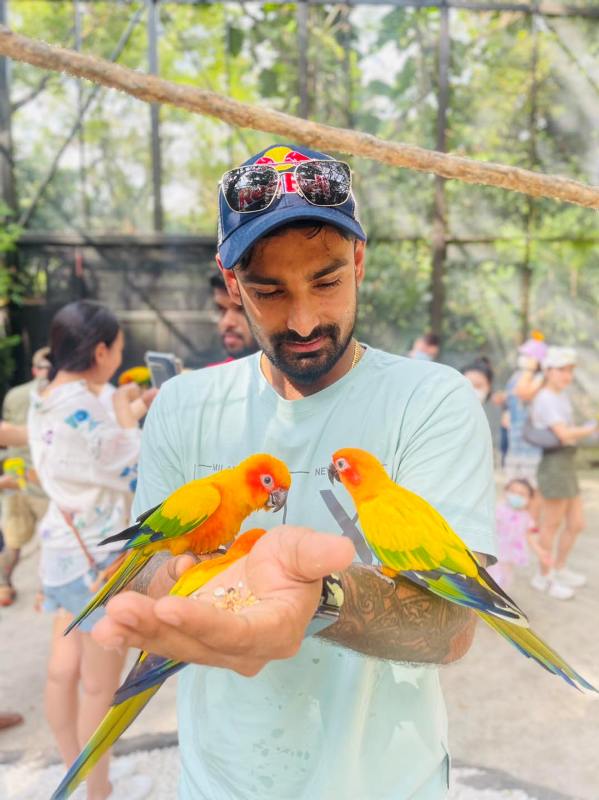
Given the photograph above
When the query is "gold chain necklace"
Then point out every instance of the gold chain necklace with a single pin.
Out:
(357, 354)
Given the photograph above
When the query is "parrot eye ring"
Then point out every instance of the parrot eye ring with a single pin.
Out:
(267, 481)
(341, 464)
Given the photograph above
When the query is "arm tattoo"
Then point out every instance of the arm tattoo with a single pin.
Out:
(400, 621)
(142, 581)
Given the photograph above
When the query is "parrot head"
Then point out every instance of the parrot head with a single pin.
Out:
(359, 471)
(139, 375)
(267, 480)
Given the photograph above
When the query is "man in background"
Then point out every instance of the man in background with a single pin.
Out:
(21, 508)
(426, 347)
(232, 324)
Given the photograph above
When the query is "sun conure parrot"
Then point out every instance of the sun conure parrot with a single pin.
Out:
(139, 375)
(198, 517)
(148, 673)
(411, 538)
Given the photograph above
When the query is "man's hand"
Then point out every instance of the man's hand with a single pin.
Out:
(284, 571)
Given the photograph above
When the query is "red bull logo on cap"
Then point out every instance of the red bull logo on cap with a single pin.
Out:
(282, 159)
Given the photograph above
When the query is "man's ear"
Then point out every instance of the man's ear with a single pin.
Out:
(230, 280)
(359, 260)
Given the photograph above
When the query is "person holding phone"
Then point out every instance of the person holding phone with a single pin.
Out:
(85, 447)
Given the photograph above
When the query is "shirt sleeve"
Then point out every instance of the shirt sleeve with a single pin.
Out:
(548, 411)
(445, 455)
(160, 465)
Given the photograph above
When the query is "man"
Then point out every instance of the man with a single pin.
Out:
(232, 324)
(21, 509)
(334, 716)
(426, 347)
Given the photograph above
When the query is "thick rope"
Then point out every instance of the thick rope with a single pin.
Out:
(324, 137)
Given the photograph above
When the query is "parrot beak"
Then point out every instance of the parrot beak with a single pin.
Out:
(333, 474)
(277, 499)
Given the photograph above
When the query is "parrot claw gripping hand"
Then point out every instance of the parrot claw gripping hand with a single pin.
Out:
(411, 538)
(149, 671)
(198, 517)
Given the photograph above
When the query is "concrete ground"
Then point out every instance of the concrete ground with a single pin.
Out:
(516, 732)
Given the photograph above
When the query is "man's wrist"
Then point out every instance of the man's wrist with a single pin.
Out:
(329, 607)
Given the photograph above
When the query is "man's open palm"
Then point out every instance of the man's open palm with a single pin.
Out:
(284, 571)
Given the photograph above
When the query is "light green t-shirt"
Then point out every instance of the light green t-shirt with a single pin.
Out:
(328, 723)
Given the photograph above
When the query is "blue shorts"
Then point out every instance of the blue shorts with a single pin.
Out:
(73, 597)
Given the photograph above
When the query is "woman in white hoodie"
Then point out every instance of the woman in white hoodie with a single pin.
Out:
(85, 450)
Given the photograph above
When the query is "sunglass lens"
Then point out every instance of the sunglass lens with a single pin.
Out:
(250, 189)
(324, 183)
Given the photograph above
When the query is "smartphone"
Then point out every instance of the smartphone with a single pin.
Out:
(162, 366)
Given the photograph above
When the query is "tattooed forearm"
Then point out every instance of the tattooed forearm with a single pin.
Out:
(399, 622)
(142, 581)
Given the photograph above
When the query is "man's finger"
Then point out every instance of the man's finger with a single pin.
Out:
(169, 573)
(307, 556)
(266, 630)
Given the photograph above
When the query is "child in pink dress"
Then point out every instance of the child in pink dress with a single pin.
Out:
(516, 532)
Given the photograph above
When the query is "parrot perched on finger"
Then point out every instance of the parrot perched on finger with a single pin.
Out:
(411, 538)
(199, 517)
(139, 375)
(149, 671)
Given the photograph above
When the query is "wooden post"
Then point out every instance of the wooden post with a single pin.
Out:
(81, 132)
(156, 150)
(439, 231)
(347, 41)
(302, 62)
(530, 212)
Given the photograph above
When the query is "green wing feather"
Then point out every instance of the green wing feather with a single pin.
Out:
(186, 509)
(406, 533)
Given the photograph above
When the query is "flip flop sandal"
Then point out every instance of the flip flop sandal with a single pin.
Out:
(7, 595)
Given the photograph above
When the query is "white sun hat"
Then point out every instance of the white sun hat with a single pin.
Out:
(558, 357)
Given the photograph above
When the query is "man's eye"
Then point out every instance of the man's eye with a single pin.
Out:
(330, 284)
(266, 295)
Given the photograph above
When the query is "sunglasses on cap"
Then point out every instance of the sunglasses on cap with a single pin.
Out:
(256, 186)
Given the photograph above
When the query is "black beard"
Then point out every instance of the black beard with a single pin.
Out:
(306, 368)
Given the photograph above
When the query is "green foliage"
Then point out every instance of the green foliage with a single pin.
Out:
(10, 291)
(518, 95)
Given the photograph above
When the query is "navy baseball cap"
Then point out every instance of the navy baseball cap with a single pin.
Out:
(237, 233)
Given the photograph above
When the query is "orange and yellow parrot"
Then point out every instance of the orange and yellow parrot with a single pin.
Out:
(198, 517)
(411, 538)
(139, 375)
(149, 671)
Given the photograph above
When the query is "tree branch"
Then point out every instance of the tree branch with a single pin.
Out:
(157, 90)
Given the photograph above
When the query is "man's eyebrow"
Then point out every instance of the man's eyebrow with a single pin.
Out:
(248, 277)
(332, 267)
(261, 281)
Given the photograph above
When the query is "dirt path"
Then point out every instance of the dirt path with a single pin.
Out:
(505, 712)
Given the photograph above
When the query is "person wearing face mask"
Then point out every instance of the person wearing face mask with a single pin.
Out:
(425, 347)
(480, 375)
(516, 532)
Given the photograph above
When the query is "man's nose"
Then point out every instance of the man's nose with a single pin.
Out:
(302, 319)
(228, 320)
